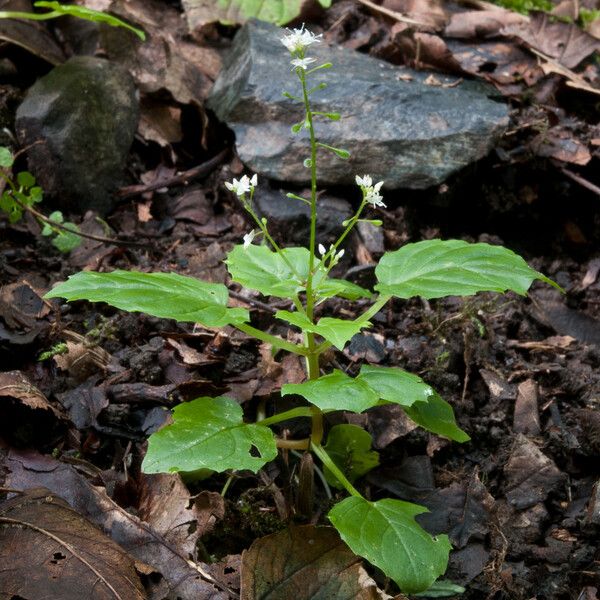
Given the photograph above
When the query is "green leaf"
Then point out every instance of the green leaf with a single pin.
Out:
(349, 446)
(36, 194)
(233, 12)
(442, 588)
(88, 14)
(10, 207)
(6, 157)
(395, 385)
(437, 416)
(25, 179)
(387, 535)
(209, 433)
(261, 269)
(65, 241)
(336, 331)
(339, 152)
(336, 391)
(326, 288)
(436, 268)
(165, 295)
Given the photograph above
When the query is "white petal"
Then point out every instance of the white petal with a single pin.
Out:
(322, 250)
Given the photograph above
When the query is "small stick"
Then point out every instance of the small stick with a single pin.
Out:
(183, 178)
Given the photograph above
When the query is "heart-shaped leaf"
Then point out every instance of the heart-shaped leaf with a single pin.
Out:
(336, 391)
(387, 535)
(261, 269)
(437, 416)
(349, 446)
(437, 268)
(395, 385)
(165, 295)
(336, 331)
(209, 433)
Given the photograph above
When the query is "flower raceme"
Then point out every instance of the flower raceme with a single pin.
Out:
(243, 186)
(297, 40)
(370, 192)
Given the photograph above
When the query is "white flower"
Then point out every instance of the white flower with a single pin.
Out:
(302, 63)
(374, 198)
(322, 250)
(243, 186)
(336, 258)
(249, 237)
(364, 181)
(298, 39)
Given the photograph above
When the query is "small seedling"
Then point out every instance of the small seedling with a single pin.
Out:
(211, 433)
(22, 195)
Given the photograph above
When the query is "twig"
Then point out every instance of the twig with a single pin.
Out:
(393, 14)
(252, 301)
(97, 238)
(201, 170)
(581, 181)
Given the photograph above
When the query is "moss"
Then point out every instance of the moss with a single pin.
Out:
(524, 6)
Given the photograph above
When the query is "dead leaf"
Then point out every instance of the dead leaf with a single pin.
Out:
(591, 274)
(527, 415)
(31, 35)
(481, 23)
(22, 312)
(430, 13)
(47, 550)
(182, 577)
(564, 42)
(304, 563)
(14, 384)
(83, 358)
(562, 145)
(530, 474)
(166, 505)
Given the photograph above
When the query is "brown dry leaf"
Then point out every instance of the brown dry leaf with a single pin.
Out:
(566, 43)
(530, 474)
(481, 23)
(562, 145)
(505, 65)
(159, 122)
(526, 418)
(47, 550)
(82, 358)
(303, 563)
(31, 35)
(182, 577)
(166, 505)
(22, 312)
(14, 384)
(430, 13)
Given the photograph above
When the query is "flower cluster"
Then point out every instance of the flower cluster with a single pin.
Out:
(243, 186)
(297, 40)
(370, 192)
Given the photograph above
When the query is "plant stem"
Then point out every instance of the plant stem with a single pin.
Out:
(312, 358)
(293, 444)
(301, 411)
(336, 472)
(275, 341)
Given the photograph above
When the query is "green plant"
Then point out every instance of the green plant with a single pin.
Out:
(61, 10)
(210, 433)
(23, 194)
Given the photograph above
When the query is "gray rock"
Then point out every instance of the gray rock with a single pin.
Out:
(407, 133)
(289, 219)
(85, 113)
